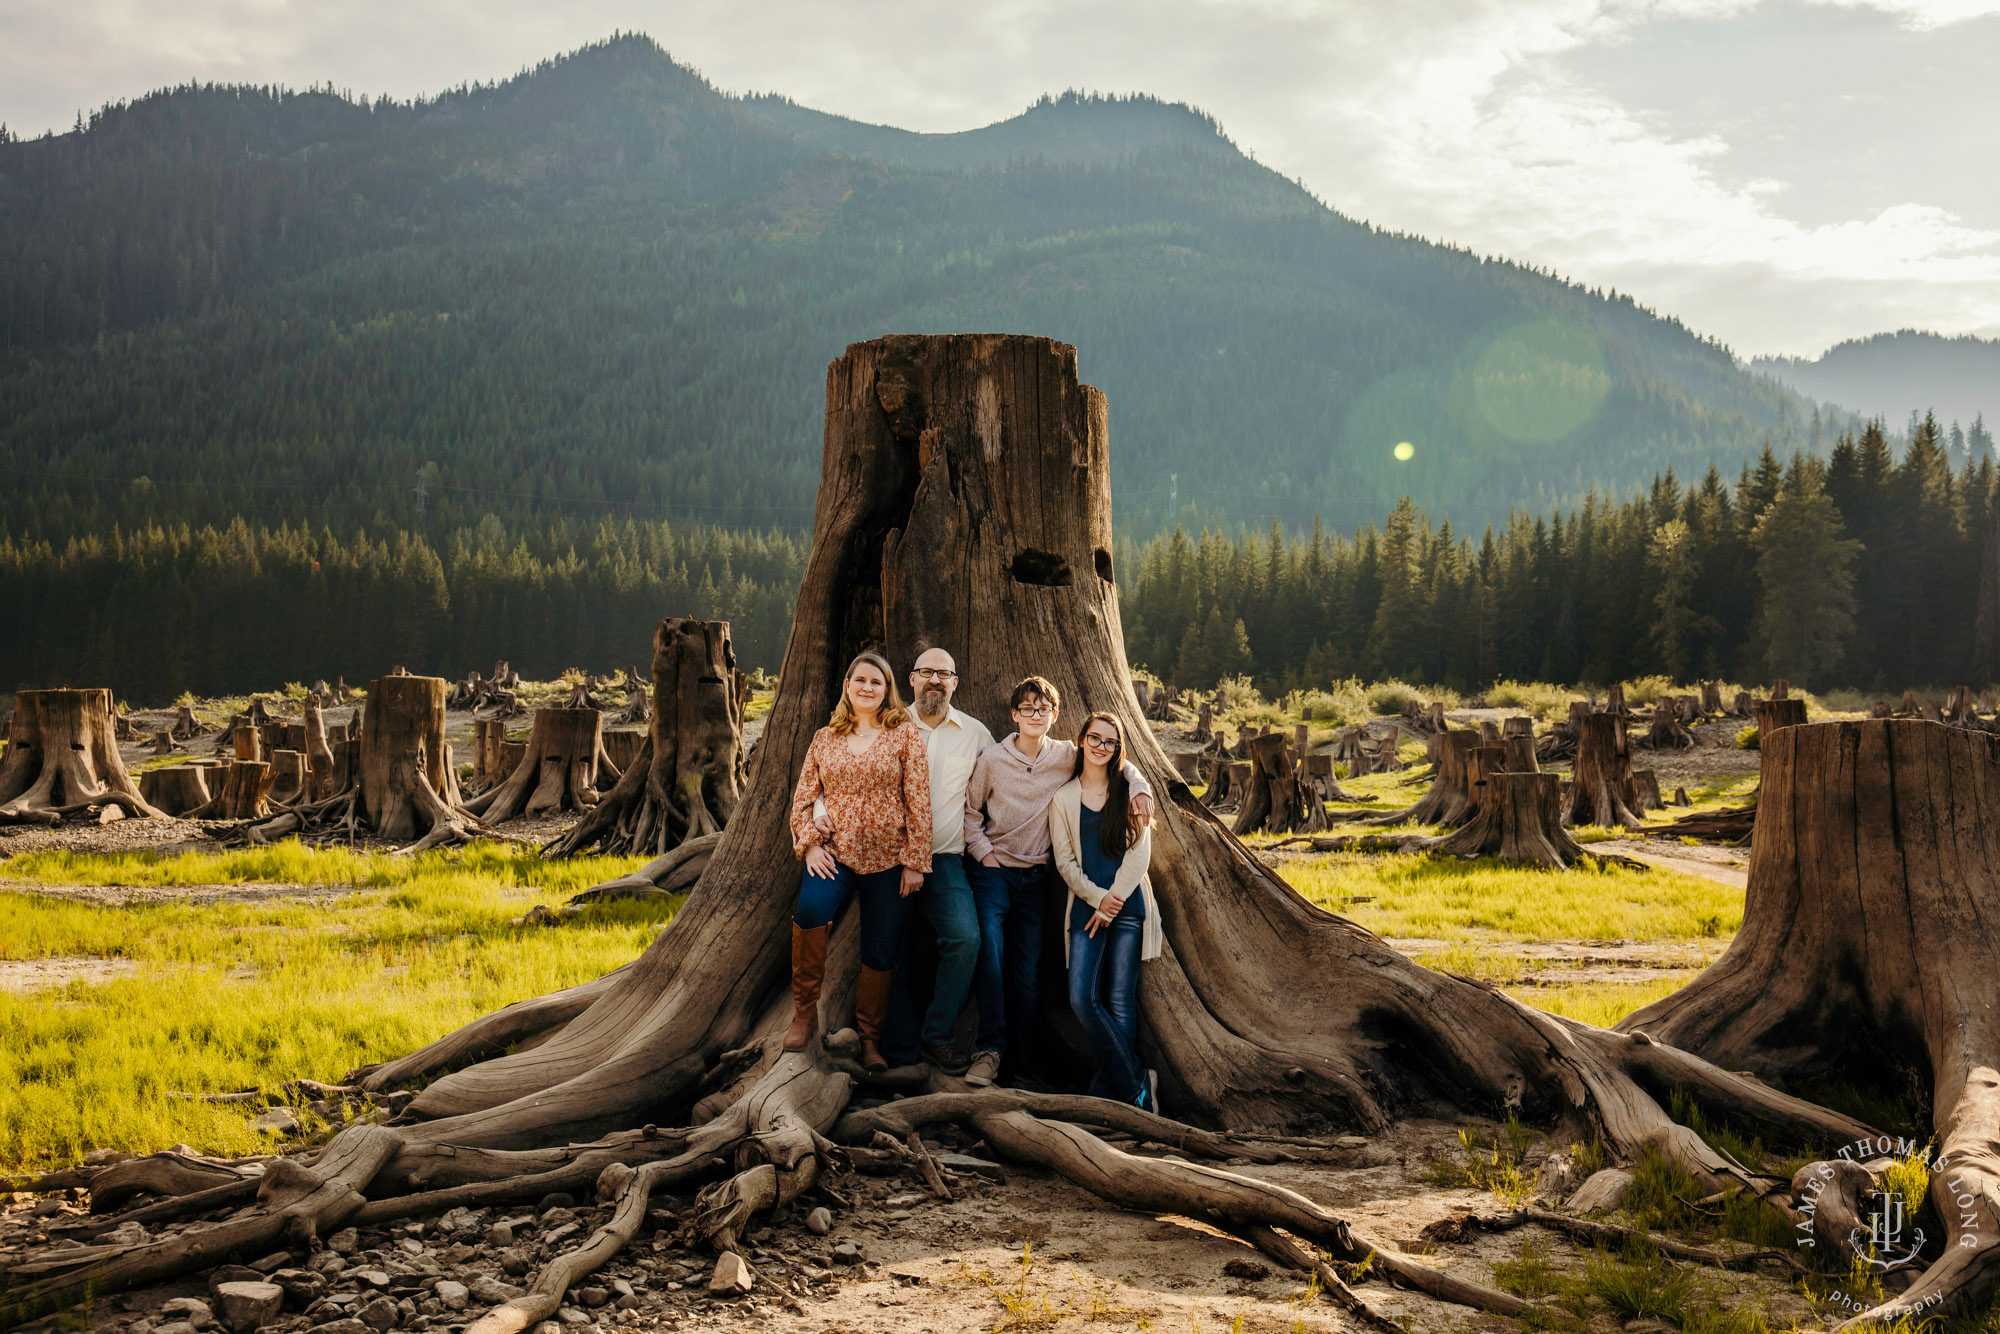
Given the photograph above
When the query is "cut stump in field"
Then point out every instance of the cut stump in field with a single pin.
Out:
(562, 769)
(1449, 802)
(62, 761)
(1858, 961)
(689, 777)
(1601, 791)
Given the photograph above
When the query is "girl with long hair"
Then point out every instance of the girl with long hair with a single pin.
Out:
(869, 766)
(1102, 854)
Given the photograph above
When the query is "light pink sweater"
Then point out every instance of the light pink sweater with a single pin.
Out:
(1007, 800)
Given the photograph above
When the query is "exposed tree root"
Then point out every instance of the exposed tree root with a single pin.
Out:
(1461, 1226)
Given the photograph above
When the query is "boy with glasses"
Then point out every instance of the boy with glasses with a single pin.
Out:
(1007, 835)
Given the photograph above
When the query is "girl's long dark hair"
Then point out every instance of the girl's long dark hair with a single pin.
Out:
(1115, 831)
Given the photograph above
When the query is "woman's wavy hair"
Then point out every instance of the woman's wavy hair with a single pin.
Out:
(1116, 831)
(892, 713)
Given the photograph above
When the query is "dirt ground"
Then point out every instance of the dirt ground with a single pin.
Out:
(1017, 1251)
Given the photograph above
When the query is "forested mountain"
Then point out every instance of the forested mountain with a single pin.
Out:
(1907, 372)
(604, 288)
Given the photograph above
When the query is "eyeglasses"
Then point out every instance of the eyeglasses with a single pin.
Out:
(1038, 711)
(934, 674)
(1096, 742)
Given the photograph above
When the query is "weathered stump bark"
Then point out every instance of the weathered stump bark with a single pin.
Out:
(1449, 802)
(1864, 959)
(1519, 820)
(1773, 714)
(561, 770)
(1601, 787)
(1520, 751)
(1614, 702)
(1910, 707)
(1781, 689)
(1204, 723)
(1646, 791)
(239, 791)
(688, 778)
(321, 780)
(1666, 731)
(186, 726)
(62, 761)
(288, 777)
(176, 789)
(1745, 705)
(1711, 698)
(1275, 800)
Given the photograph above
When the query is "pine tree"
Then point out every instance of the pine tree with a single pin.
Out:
(1804, 565)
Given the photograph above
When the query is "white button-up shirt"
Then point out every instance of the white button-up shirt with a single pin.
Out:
(952, 747)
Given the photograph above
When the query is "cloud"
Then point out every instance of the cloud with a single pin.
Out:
(1514, 127)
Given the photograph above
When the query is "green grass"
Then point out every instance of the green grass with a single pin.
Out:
(240, 994)
(1479, 900)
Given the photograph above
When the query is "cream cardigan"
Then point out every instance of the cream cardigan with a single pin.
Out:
(1065, 818)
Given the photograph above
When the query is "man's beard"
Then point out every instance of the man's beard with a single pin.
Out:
(931, 703)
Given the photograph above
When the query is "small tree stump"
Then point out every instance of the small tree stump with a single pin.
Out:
(1449, 801)
(1880, 709)
(689, 775)
(1519, 749)
(241, 794)
(1910, 707)
(62, 760)
(1711, 698)
(1520, 821)
(1646, 788)
(1614, 702)
(560, 771)
(1666, 731)
(176, 789)
(1204, 722)
(1601, 791)
(1489, 731)
(1773, 714)
(186, 726)
(1275, 800)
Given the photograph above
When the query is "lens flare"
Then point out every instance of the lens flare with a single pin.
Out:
(1406, 451)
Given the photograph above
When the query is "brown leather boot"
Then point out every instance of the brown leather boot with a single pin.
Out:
(808, 967)
(871, 1007)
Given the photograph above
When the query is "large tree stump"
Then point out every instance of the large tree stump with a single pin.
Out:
(1773, 714)
(1559, 742)
(1264, 1012)
(688, 778)
(62, 761)
(1863, 958)
(561, 770)
(1601, 790)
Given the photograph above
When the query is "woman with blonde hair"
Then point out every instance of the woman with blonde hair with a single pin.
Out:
(868, 764)
(1102, 854)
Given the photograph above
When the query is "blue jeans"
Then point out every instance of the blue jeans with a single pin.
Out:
(949, 907)
(883, 909)
(1010, 901)
(1104, 992)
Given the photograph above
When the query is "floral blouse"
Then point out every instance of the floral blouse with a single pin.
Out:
(879, 801)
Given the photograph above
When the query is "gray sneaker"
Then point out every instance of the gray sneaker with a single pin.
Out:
(985, 1066)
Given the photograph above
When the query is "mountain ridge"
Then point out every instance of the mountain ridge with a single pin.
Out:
(604, 284)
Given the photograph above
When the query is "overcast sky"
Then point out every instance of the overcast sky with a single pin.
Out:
(1779, 174)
